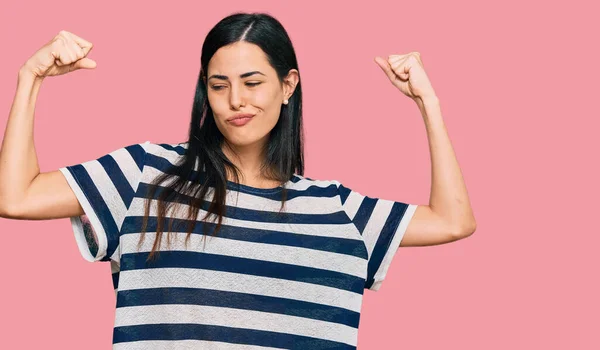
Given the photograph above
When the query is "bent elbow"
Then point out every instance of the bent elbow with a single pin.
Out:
(465, 230)
(9, 211)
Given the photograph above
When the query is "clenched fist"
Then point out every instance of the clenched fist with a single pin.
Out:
(65, 53)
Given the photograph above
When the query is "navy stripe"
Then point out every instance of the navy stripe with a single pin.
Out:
(116, 173)
(115, 279)
(100, 207)
(385, 239)
(118, 179)
(310, 192)
(363, 215)
(179, 149)
(245, 301)
(234, 212)
(181, 331)
(344, 192)
(207, 261)
(138, 153)
(340, 245)
(163, 165)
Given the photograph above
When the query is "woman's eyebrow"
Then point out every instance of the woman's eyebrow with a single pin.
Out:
(224, 77)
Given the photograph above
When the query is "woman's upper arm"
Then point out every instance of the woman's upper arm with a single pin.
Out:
(49, 197)
(427, 228)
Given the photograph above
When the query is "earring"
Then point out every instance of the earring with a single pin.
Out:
(285, 102)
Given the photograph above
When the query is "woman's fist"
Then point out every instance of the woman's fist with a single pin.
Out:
(65, 53)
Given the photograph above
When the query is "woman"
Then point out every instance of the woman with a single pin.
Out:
(288, 258)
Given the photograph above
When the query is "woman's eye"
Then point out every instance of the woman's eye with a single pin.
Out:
(220, 87)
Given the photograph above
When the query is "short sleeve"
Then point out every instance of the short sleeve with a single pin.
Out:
(382, 224)
(105, 188)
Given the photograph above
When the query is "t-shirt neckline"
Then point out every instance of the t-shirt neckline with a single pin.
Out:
(234, 185)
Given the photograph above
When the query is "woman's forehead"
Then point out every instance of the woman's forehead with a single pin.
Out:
(238, 58)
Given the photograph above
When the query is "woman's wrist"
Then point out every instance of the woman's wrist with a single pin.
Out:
(27, 74)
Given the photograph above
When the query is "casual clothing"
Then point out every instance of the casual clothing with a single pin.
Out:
(266, 280)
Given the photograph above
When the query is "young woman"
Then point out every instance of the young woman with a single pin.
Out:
(221, 241)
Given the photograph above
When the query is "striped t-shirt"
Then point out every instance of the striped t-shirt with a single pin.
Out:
(264, 281)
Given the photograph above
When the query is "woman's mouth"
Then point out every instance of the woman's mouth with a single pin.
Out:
(240, 121)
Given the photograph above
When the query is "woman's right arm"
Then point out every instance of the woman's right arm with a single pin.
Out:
(25, 193)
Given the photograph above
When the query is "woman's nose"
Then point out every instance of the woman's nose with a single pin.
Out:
(236, 98)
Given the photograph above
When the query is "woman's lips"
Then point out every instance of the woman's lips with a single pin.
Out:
(241, 121)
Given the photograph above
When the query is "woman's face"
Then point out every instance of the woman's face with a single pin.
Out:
(241, 80)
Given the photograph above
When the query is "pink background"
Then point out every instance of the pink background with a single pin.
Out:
(518, 87)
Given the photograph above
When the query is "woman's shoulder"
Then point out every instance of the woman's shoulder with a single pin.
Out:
(170, 151)
(304, 182)
(155, 146)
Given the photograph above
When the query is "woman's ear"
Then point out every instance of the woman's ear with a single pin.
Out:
(290, 82)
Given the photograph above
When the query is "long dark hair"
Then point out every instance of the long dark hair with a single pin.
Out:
(284, 150)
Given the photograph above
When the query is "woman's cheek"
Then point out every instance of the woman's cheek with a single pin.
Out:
(261, 100)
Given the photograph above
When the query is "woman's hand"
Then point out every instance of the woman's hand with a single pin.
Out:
(406, 72)
(65, 53)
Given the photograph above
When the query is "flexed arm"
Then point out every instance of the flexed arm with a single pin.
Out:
(449, 215)
(24, 192)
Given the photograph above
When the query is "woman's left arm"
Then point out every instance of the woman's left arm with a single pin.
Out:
(449, 215)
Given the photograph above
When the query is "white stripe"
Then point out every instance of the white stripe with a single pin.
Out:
(216, 245)
(376, 223)
(185, 345)
(159, 151)
(128, 166)
(77, 225)
(394, 246)
(352, 204)
(318, 205)
(300, 185)
(238, 282)
(237, 318)
(323, 230)
(107, 190)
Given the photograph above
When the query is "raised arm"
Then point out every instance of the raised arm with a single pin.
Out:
(449, 215)
(25, 193)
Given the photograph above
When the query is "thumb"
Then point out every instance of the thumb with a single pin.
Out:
(84, 63)
(385, 66)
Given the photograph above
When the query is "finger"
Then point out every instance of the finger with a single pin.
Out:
(418, 55)
(76, 50)
(85, 63)
(385, 67)
(56, 56)
(401, 69)
(61, 51)
(61, 57)
(85, 45)
(70, 48)
(395, 58)
(55, 50)
(398, 64)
